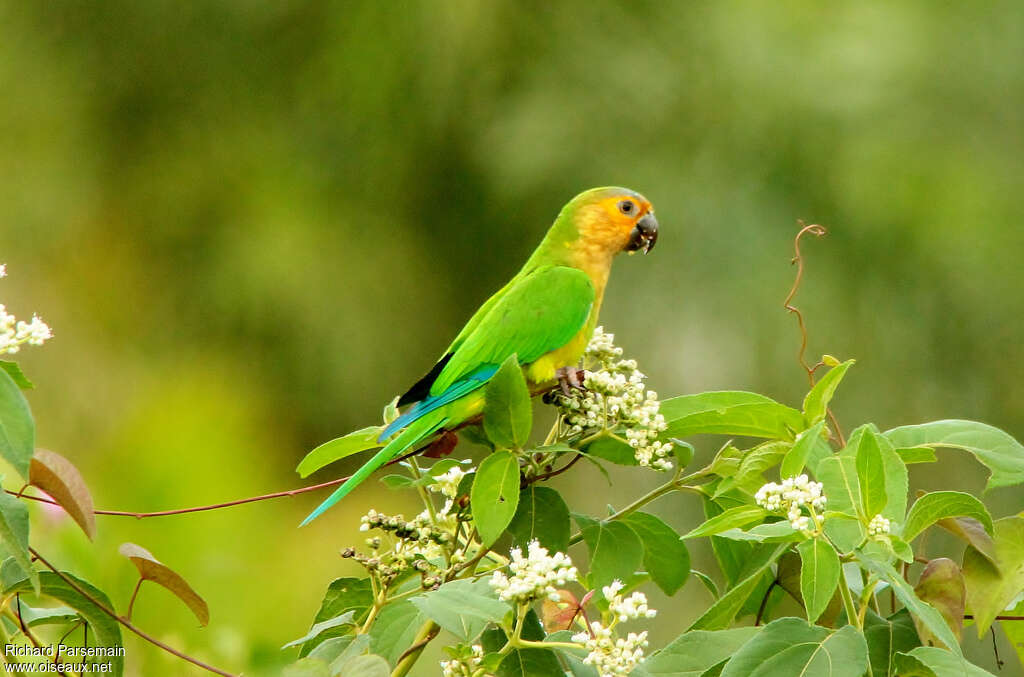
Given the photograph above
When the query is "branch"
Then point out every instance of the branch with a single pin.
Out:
(199, 508)
(798, 259)
(126, 623)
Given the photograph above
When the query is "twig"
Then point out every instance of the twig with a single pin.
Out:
(555, 473)
(764, 602)
(798, 259)
(131, 602)
(125, 622)
(251, 499)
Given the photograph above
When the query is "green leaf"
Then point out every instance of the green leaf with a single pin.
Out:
(365, 666)
(395, 629)
(922, 611)
(754, 462)
(543, 516)
(615, 550)
(990, 589)
(740, 516)
(722, 612)
(838, 474)
(942, 585)
(819, 575)
(613, 450)
(343, 594)
(306, 667)
(523, 662)
(508, 412)
(666, 558)
(17, 428)
(817, 400)
(789, 647)
(939, 505)
(730, 412)
(772, 532)
(394, 481)
(871, 475)
(336, 651)
(463, 607)
(930, 661)
(33, 616)
(809, 445)
(337, 449)
(917, 455)
(14, 534)
(886, 638)
(692, 653)
(495, 495)
(998, 451)
(104, 631)
(16, 374)
(345, 619)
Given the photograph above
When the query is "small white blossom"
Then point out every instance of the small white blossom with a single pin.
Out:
(615, 396)
(878, 526)
(790, 497)
(612, 657)
(464, 667)
(534, 576)
(15, 333)
(629, 608)
(448, 483)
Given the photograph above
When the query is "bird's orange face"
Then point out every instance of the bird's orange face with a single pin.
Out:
(618, 221)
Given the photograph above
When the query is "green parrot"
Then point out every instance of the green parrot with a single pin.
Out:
(545, 316)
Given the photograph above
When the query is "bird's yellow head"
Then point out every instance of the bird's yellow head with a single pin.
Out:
(612, 220)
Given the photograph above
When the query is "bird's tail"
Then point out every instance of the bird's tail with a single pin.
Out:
(416, 432)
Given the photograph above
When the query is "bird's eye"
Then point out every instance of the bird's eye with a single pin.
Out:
(627, 207)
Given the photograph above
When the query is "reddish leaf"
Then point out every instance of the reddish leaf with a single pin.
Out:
(442, 446)
(942, 585)
(151, 569)
(560, 615)
(59, 478)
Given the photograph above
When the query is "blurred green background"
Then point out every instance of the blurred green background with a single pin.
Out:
(251, 224)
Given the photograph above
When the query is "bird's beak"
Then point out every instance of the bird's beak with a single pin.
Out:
(644, 234)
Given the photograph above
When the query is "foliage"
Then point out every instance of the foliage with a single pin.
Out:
(797, 509)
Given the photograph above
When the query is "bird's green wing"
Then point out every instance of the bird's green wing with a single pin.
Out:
(539, 313)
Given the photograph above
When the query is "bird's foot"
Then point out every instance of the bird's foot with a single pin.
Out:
(568, 378)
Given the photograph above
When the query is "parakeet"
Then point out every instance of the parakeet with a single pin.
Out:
(545, 316)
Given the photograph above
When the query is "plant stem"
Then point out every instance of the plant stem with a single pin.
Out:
(426, 633)
(675, 484)
(851, 612)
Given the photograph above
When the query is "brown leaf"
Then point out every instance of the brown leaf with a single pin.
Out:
(972, 531)
(59, 478)
(942, 585)
(442, 446)
(151, 569)
(560, 615)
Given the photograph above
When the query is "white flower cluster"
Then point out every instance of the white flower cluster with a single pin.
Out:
(465, 667)
(534, 576)
(612, 657)
(614, 395)
(448, 483)
(878, 526)
(616, 656)
(14, 333)
(790, 497)
(629, 608)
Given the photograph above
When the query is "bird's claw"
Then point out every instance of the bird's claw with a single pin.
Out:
(569, 378)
